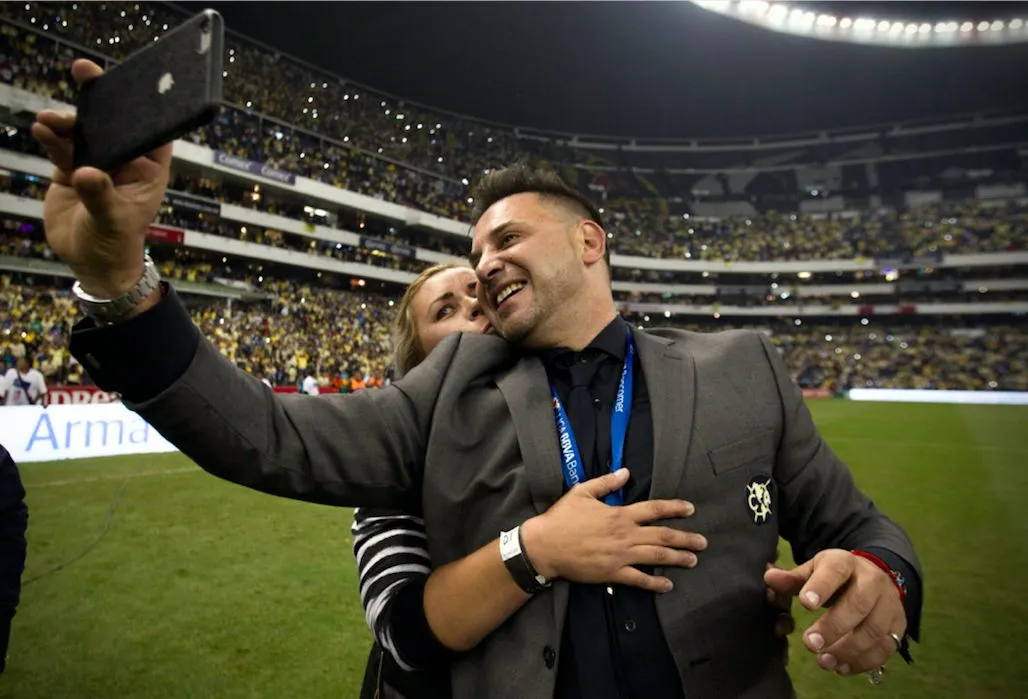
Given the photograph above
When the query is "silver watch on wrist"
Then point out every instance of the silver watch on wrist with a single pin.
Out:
(111, 310)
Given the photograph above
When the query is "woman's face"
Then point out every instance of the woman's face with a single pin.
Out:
(445, 304)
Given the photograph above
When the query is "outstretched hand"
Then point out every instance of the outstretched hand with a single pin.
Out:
(97, 222)
(853, 635)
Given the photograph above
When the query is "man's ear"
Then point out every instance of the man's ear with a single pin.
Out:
(594, 242)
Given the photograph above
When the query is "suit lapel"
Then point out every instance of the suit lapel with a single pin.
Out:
(527, 393)
(526, 390)
(671, 381)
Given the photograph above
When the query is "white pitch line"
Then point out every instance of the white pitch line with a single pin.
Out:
(74, 481)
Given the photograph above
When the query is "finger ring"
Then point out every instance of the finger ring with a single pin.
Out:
(899, 641)
(876, 675)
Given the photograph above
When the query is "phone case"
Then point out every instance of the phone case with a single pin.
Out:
(156, 95)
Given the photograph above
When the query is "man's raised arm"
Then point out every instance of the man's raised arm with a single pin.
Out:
(361, 449)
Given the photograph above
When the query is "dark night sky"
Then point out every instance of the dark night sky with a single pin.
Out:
(657, 69)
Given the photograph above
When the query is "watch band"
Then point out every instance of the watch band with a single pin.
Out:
(517, 563)
(111, 310)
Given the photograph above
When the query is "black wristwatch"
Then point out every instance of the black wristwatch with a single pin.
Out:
(520, 568)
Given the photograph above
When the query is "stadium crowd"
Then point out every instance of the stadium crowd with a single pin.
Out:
(930, 232)
(349, 137)
(343, 339)
(312, 125)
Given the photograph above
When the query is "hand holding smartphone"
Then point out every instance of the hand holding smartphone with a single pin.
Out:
(155, 96)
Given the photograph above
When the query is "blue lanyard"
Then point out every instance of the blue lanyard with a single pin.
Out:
(571, 457)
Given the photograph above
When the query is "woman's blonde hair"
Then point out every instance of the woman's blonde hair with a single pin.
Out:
(407, 349)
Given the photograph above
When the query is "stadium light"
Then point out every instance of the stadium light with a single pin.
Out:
(754, 6)
(790, 18)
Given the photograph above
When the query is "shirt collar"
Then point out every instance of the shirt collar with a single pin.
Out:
(612, 340)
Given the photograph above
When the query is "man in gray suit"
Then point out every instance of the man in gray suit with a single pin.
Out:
(485, 435)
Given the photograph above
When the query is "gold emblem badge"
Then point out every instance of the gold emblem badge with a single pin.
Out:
(758, 498)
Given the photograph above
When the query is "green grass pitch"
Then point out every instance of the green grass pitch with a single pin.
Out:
(204, 589)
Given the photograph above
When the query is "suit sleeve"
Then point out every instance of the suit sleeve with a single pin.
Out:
(359, 449)
(820, 505)
(393, 564)
(14, 516)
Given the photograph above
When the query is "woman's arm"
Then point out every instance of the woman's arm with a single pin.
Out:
(580, 539)
(393, 565)
(470, 598)
(422, 620)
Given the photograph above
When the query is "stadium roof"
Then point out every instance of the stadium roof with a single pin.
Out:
(640, 69)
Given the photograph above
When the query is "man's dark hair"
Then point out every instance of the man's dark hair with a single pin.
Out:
(521, 178)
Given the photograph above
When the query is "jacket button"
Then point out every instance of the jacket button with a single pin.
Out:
(549, 657)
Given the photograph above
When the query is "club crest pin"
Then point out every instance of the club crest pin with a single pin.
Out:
(760, 497)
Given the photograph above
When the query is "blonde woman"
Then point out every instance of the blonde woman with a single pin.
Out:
(423, 619)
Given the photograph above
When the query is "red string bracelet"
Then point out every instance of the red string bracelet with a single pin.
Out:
(897, 579)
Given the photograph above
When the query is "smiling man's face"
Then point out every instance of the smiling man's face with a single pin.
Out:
(528, 269)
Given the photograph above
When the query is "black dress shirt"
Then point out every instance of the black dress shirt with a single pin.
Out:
(613, 645)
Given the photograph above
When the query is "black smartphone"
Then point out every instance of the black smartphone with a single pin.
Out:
(156, 95)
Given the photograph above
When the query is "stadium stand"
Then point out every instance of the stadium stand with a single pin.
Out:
(899, 288)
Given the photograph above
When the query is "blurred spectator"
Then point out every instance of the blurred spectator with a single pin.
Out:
(23, 384)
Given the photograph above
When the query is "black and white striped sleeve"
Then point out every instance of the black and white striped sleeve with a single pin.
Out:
(391, 549)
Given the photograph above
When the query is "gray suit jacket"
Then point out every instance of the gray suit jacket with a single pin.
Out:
(469, 439)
